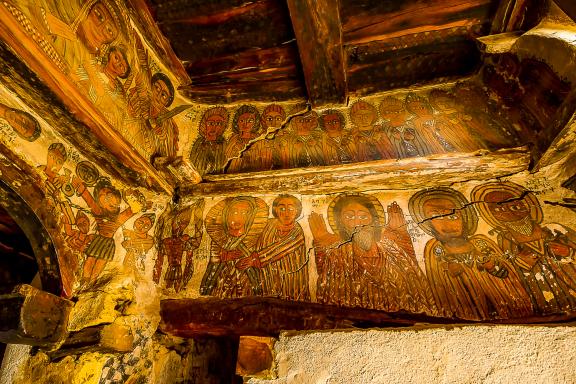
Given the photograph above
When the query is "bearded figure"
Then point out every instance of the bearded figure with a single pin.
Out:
(358, 266)
(234, 225)
(542, 255)
(469, 275)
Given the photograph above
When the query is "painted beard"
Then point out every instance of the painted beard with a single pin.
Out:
(523, 226)
(363, 237)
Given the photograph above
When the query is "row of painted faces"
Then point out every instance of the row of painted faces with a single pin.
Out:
(415, 126)
(249, 123)
(530, 271)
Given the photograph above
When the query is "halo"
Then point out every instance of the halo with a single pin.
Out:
(373, 200)
(88, 173)
(215, 220)
(417, 201)
(479, 193)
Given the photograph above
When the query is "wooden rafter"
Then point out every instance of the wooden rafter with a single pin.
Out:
(318, 33)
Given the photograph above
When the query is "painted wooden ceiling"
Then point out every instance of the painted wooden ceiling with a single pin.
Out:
(327, 50)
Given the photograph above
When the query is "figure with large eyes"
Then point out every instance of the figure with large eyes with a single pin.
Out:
(542, 255)
(370, 140)
(137, 242)
(23, 123)
(247, 126)
(337, 145)
(104, 204)
(272, 118)
(301, 146)
(358, 266)
(207, 153)
(469, 275)
(280, 255)
(400, 129)
(234, 225)
(116, 67)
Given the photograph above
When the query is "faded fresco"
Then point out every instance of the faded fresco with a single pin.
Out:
(482, 252)
(93, 43)
(252, 138)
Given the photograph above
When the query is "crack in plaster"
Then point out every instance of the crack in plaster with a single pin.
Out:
(268, 135)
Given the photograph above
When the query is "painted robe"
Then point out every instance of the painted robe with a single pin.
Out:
(382, 278)
(464, 287)
(550, 280)
(284, 271)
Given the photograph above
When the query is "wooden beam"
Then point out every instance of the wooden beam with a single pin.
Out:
(104, 338)
(319, 37)
(377, 20)
(247, 90)
(83, 110)
(568, 7)
(266, 316)
(258, 316)
(416, 173)
(33, 317)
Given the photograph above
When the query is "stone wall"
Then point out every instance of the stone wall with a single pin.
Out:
(467, 354)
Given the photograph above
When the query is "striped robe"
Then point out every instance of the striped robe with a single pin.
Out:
(462, 287)
(384, 278)
(284, 271)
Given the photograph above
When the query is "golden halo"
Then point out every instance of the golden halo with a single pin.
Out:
(215, 221)
(373, 200)
(479, 194)
(417, 201)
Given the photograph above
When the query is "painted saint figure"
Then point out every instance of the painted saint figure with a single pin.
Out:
(336, 144)
(469, 275)
(399, 127)
(137, 242)
(207, 153)
(174, 248)
(543, 258)
(23, 123)
(234, 225)
(246, 126)
(281, 253)
(105, 206)
(438, 133)
(357, 266)
(370, 140)
(302, 145)
(272, 118)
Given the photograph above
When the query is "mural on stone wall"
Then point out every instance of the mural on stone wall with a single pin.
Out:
(100, 220)
(485, 252)
(252, 138)
(93, 43)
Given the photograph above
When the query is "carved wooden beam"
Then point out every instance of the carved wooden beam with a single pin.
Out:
(78, 104)
(568, 6)
(319, 36)
(414, 173)
(33, 317)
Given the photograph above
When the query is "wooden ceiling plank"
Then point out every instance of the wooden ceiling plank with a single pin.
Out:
(568, 7)
(318, 34)
(416, 17)
(160, 44)
(256, 90)
(275, 57)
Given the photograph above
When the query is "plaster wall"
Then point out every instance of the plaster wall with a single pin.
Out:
(467, 354)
